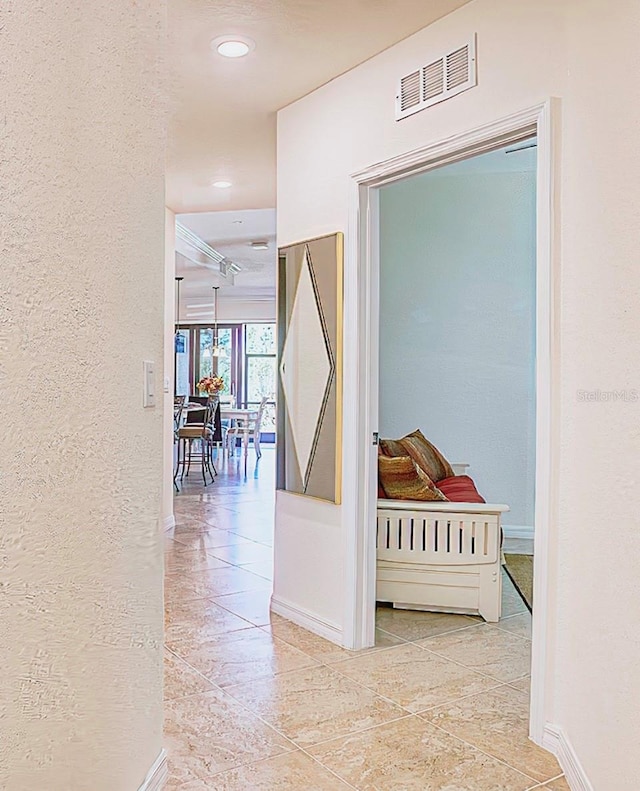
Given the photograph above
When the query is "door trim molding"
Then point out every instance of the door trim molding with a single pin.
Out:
(361, 369)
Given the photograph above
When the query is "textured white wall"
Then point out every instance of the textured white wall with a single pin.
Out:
(348, 125)
(82, 239)
(168, 364)
(584, 52)
(457, 323)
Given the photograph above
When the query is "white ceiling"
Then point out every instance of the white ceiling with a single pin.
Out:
(223, 122)
(231, 234)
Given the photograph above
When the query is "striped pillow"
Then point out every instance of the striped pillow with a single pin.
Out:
(402, 479)
(426, 456)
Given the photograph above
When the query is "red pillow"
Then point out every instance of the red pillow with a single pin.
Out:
(460, 489)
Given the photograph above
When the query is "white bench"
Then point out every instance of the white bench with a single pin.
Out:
(440, 556)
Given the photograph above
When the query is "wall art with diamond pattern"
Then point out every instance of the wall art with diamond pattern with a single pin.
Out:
(309, 438)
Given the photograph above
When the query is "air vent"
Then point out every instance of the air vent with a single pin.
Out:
(442, 78)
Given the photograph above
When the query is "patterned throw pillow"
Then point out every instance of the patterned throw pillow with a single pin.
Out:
(402, 479)
(425, 455)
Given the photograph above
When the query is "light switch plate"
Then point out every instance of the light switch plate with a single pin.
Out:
(149, 384)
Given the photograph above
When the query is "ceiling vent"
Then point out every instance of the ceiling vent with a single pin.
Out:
(442, 78)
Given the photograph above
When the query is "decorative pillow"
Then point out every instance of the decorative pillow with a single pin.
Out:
(391, 447)
(381, 493)
(426, 456)
(460, 489)
(402, 479)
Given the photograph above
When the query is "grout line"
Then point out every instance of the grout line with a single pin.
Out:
(484, 752)
(545, 783)
(453, 701)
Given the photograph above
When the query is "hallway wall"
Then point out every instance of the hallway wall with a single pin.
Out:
(82, 235)
(527, 52)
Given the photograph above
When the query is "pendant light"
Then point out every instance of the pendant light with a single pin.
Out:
(178, 339)
(216, 349)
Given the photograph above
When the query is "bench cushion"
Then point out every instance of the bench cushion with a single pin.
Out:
(460, 489)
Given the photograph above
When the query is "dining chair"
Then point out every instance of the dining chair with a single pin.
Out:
(246, 428)
(204, 433)
(178, 409)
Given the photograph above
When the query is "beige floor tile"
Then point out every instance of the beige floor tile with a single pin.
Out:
(497, 722)
(413, 678)
(512, 605)
(314, 704)
(207, 584)
(181, 680)
(210, 540)
(264, 569)
(289, 772)
(517, 624)
(385, 640)
(485, 649)
(241, 554)
(308, 642)
(415, 625)
(180, 559)
(252, 606)
(199, 619)
(210, 733)
(408, 756)
(557, 785)
(241, 656)
(319, 648)
(523, 684)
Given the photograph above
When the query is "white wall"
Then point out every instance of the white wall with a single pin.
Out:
(527, 51)
(168, 373)
(246, 311)
(81, 234)
(457, 322)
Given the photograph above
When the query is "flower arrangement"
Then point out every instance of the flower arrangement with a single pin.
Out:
(210, 384)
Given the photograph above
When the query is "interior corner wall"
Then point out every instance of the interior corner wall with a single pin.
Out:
(246, 310)
(527, 52)
(168, 368)
(457, 323)
(82, 239)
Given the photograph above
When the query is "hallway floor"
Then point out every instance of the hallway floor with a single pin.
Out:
(255, 703)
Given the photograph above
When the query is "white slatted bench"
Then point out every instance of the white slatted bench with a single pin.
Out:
(440, 556)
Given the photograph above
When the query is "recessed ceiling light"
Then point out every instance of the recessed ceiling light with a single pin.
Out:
(260, 245)
(237, 222)
(232, 46)
(222, 185)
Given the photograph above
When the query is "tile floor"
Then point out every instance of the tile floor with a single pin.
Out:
(254, 702)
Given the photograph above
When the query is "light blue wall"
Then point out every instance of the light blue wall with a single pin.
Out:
(457, 323)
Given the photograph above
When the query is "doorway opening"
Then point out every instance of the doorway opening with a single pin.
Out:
(378, 403)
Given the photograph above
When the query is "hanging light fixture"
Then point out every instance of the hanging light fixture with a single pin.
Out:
(216, 349)
(178, 338)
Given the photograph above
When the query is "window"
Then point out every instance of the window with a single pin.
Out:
(183, 356)
(197, 359)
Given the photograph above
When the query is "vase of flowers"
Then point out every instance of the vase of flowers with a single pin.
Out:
(210, 385)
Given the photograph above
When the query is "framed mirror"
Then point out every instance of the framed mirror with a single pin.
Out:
(310, 303)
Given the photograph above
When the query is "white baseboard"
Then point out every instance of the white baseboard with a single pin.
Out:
(554, 739)
(158, 774)
(308, 620)
(517, 531)
(169, 522)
